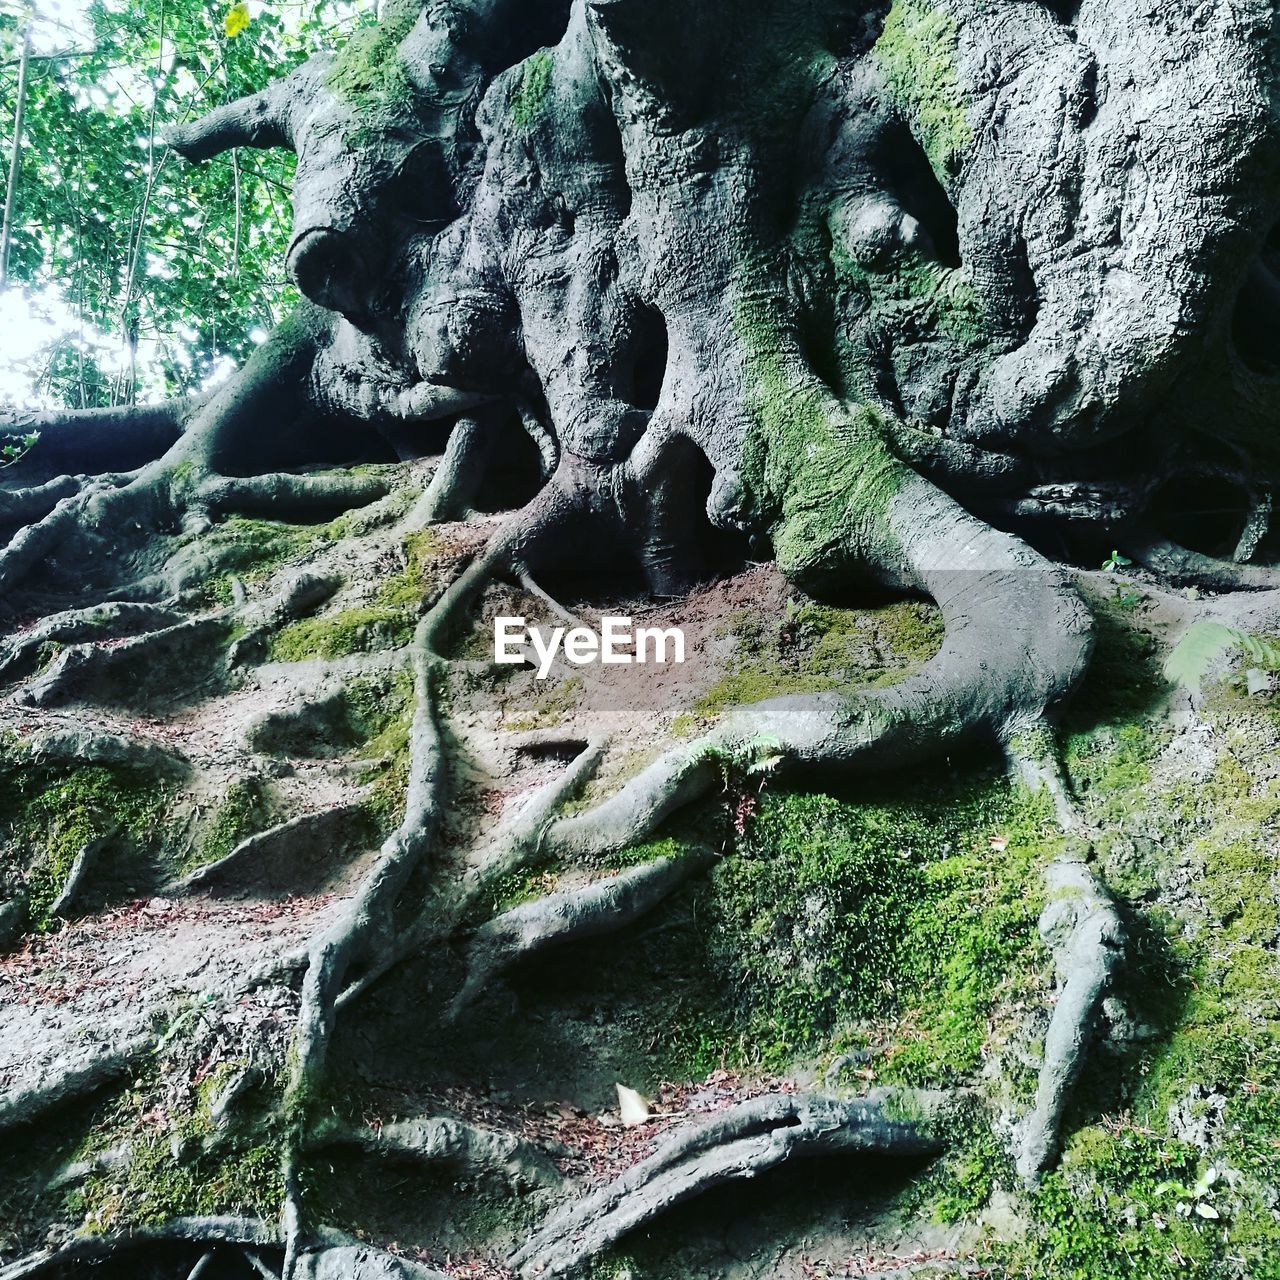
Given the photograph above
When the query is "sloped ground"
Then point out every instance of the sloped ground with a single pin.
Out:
(877, 936)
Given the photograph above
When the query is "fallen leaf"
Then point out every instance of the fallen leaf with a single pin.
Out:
(632, 1107)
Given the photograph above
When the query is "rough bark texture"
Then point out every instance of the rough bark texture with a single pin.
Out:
(935, 299)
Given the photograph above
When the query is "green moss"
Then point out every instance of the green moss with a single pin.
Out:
(894, 917)
(337, 635)
(388, 622)
(369, 74)
(531, 93)
(916, 53)
(245, 810)
(815, 647)
(520, 887)
(386, 717)
(260, 545)
(943, 297)
(175, 1169)
(824, 475)
(1199, 1089)
(433, 1208)
(51, 814)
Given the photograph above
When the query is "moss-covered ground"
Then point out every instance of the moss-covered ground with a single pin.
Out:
(886, 933)
(51, 813)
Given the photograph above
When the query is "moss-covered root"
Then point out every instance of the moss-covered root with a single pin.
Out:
(99, 672)
(1017, 640)
(1081, 926)
(588, 911)
(21, 653)
(359, 933)
(742, 1142)
(353, 937)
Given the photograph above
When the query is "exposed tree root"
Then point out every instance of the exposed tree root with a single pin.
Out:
(87, 1250)
(272, 861)
(81, 745)
(23, 506)
(280, 494)
(516, 846)
(64, 1080)
(299, 595)
(601, 907)
(1182, 565)
(742, 1142)
(21, 652)
(1017, 640)
(97, 671)
(457, 479)
(454, 1142)
(65, 903)
(353, 1260)
(1082, 928)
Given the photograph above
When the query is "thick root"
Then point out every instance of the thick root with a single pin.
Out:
(88, 1250)
(283, 859)
(1017, 640)
(441, 1139)
(357, 1261)
(81, 745)
(457, 479)
(21, 652)
(557, 919)
(742, 1142)
(517, 846)
(1181, 565)
(1081, 926)
(67, 1079)
(100, 672)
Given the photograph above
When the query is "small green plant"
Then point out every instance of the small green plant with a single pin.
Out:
(14, 449)
(1115, 561)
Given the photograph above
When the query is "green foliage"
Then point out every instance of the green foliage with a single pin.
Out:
(531, 93)
(184, 260)
(1205, 642)
(916, 52)
(15, 448)
(52, 813)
